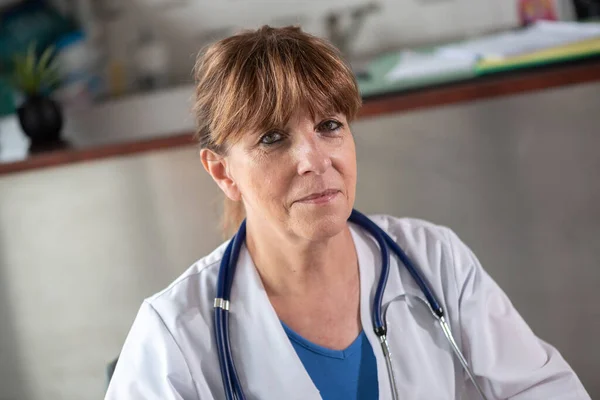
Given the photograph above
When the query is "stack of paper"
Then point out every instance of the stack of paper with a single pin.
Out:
(541, 42)
(420, 65)
(542, 35)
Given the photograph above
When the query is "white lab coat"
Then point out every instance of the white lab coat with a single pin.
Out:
(170, 352)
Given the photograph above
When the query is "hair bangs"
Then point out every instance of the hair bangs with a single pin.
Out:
(271, 80)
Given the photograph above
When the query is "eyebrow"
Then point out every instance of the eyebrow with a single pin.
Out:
(258, 131)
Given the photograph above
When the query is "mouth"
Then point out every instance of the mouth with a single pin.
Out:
(320, 197)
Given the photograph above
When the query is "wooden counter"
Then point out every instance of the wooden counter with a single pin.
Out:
(457, 92)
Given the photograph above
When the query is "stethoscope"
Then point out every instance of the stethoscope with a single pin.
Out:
(231, 382)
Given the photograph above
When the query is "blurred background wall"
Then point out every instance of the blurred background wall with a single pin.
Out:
(110, 38)
(81, 245)
(189, 25)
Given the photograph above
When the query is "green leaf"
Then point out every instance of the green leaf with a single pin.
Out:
(34, 75)
(30, 61)
(45, 59)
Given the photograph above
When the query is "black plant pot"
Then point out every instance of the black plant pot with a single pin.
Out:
(42, 121)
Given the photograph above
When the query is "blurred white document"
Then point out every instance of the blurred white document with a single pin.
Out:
(418, 66)
(540, 36)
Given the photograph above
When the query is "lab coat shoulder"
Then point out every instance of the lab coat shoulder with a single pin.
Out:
(155, 360)
(508, 359)
(416, 235)
(511, 359)
(192, 292)
(429, 247)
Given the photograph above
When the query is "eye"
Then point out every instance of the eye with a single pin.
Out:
(330, 125)
(271, 138)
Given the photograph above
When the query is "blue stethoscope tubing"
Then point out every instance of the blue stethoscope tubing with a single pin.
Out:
(231, 382)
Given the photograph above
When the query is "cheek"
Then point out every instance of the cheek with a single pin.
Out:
(260, 182)
(347, 164)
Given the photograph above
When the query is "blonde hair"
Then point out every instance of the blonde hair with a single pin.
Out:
(255, 80)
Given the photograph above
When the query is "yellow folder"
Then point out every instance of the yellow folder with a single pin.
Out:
(586, 48)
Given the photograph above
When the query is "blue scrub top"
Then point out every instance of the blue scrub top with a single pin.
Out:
(349, 374)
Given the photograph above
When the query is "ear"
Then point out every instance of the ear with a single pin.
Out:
(217, 167)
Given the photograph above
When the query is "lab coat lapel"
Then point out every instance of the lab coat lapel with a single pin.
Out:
(369, 261)
(403, 304)
(400, 287)
(266, 361)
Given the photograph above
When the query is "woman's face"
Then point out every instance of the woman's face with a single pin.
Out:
(300, 180)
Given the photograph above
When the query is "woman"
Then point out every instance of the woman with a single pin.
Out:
(273, 108)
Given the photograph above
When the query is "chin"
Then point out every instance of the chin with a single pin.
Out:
(321, 223)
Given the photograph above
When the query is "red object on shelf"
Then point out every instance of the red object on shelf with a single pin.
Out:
(536, 10)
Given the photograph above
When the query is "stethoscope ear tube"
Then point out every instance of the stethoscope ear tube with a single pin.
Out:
(384, 239)
(238, 241)
(231, 383)
(379, 325)
(223, 364)
(237, 386)
(220, 332)
(436, 309)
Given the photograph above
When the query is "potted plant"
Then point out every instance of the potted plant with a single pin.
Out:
(40, 117)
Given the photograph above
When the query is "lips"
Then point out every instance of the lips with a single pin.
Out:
(319, 196)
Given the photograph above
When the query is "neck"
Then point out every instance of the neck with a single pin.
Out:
(290, 266)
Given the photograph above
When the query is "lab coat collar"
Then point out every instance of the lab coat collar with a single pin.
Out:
(399, 284)
(253, 316)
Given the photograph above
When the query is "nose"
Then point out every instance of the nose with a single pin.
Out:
(312, 156)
